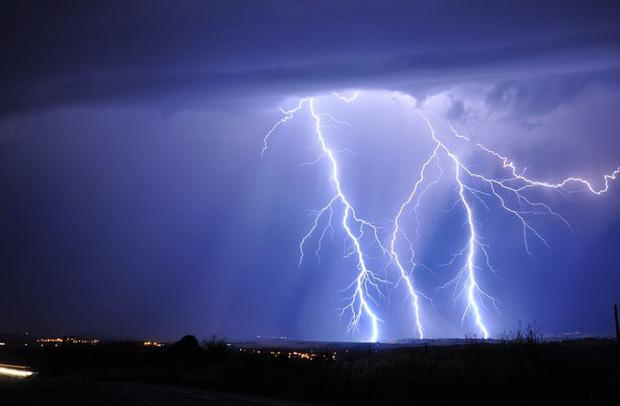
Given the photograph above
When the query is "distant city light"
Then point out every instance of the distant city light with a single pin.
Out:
(305, 355)
(67, 340)
(153, 344)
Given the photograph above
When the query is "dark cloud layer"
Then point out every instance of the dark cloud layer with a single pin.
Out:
(199, 53)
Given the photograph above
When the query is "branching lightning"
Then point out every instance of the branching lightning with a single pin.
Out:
(499, 189)
(396, 231)
(473, 188)
(353, 226)
(347, 99)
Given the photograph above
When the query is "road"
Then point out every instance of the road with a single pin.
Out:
(161, 395)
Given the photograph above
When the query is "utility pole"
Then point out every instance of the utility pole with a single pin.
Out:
(617, 325)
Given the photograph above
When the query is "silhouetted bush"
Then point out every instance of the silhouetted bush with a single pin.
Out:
(216, 349)
(530, 333)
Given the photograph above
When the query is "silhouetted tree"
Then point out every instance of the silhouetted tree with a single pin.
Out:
(186, 346)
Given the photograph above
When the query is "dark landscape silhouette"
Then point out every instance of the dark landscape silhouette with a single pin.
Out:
(519, 368)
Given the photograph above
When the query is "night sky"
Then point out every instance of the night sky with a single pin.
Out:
(134, 201)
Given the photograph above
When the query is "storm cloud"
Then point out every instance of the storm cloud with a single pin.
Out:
(208, 53)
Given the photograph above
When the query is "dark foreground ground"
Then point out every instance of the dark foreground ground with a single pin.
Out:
(579, 372)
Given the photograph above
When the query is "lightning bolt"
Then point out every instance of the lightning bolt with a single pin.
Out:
(347, 99)
(472, 187)
(353, 226)
(499, 189)
(396, 231)
(471, 286)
